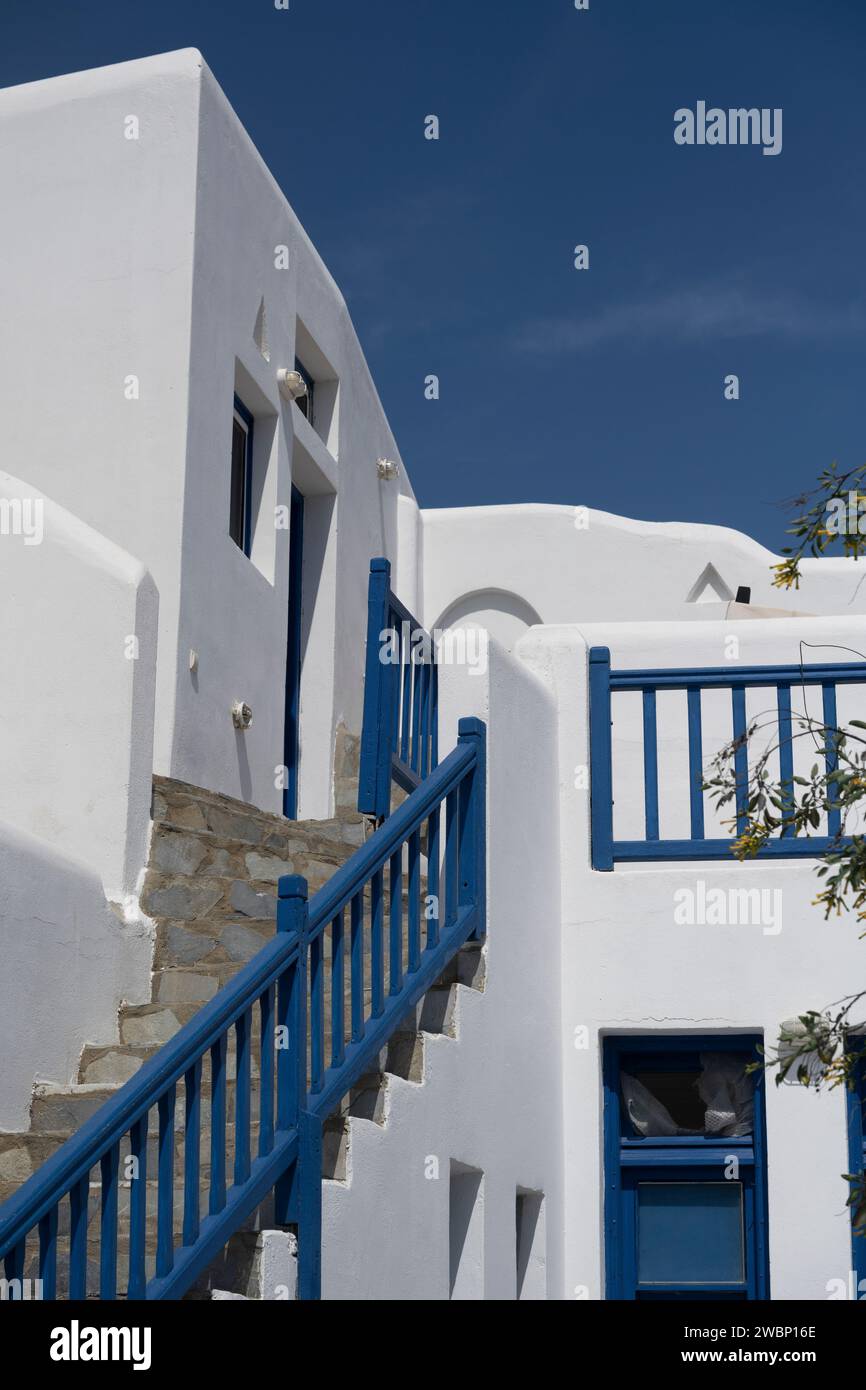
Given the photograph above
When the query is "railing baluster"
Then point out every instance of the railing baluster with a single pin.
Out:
(78, 1199)
(395, 947)
(393, 714)
(266, 1071)
(425, 717)
(831, 755)
(786, 752)
(356, 946)
(338, 1004)
(417, 670)
(191, 1153)
(600, 758)
(434, 714)
(243, 1031)
(741, 757)
(165, 1184)
(13, 1268)
(406, 699)
(137, 1208)
(108, 1171)
(317, 1013)
(650, 765)
(696, 765)
(433, 879)
(414, 893)
(218, 1125)
(377, 955)
(451, 829)
(48, 1255)
(285, 1045)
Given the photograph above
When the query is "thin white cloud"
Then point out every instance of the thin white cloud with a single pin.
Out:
(685, 316)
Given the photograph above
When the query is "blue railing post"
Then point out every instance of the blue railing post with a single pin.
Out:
(298, 1194)
(473, 826)
(374, 773)
(292, 917)
(310, 1207)
(600, 758)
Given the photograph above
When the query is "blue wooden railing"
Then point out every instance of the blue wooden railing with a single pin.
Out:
(605, 683)
(306, 1064)
(399, 739)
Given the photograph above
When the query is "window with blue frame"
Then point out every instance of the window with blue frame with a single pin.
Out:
(240, 501)
(685, 1169)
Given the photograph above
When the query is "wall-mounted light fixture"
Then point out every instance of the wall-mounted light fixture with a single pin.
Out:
(386, 469)
(291, 383)
(242, 715)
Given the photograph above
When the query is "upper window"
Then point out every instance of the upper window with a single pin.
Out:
(321, 403)
(306, 404)
(242, 477)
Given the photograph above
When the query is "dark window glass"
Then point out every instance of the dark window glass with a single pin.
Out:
(237, 514)
(708, 1093)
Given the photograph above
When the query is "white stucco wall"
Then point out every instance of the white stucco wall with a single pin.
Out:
(628, 967)
(230, 612)
(571, 564)
(97, 276)
(68, 962)
(491, 1099)
(78, 637)
(168, 250)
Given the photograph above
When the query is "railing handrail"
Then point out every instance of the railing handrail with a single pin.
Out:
(78, 1154)
(705, 677)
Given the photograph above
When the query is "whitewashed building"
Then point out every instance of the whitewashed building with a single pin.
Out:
(197, 475)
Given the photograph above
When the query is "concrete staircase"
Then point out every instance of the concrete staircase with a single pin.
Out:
(210, 889)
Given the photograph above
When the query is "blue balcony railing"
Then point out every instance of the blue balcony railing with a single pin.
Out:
(399, 739)
(607, 688)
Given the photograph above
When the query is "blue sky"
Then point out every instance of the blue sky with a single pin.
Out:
(602, 387)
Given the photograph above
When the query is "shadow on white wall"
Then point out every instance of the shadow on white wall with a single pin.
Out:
(505, 616)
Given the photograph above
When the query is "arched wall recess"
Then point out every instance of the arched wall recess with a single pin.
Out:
(504, 615)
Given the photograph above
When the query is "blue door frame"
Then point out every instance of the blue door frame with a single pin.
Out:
(855, 1096)
(630, 1162)
(291, 741)
(248, 419)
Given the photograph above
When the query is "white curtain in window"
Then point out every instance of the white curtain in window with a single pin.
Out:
(723, 1086)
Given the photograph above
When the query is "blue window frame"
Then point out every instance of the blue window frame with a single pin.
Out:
(240, 503)
(685, 1212)
(856, 1096)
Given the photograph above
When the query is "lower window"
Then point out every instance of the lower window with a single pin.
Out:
(685, 1189)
